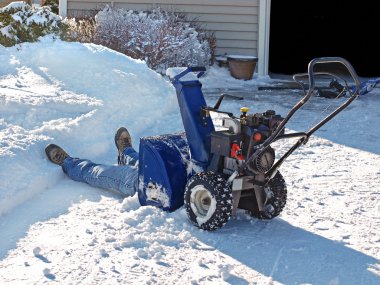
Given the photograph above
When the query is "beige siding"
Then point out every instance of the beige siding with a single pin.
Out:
(235, 23)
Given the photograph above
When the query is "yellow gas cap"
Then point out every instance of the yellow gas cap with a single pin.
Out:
(244, 109)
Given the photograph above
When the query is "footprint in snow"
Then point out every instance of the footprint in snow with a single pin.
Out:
(104, 253)
(48, 275)
(37, 253)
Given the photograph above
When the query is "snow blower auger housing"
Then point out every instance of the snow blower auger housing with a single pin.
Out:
(213, 173)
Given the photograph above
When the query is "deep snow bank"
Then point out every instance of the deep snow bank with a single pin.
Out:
(76, 95)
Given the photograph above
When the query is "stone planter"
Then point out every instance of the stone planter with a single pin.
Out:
(242, 66)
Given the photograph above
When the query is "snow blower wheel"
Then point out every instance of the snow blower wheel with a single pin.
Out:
(208, 201)
(276, 194)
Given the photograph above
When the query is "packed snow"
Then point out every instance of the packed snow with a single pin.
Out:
(57, 230)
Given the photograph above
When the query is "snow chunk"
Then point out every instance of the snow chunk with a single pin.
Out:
(14, 5)
(174, 71)
(201, 219)
(37, 251)
(156, 192)
(241, 57)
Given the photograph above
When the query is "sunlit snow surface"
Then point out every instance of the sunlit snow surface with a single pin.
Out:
(55, 230)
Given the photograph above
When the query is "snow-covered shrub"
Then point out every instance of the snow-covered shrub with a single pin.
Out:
(53, 4)
(162, 38)
(80, 30)
(19, 22)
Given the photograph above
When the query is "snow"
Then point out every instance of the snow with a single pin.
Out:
(157, 193)
(57, 230)
(37, 15)
(14, 5)
(42, 16)
(196, 199)
(242, 57)
(5, 31)
(174, 71)
(219, 80)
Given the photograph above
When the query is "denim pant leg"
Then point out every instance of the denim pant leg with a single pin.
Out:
(122, 178)
(129, 157)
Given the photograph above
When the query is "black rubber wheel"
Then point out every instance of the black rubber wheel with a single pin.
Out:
(208, 201)
(275, 203)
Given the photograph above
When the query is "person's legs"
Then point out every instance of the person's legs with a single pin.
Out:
(126, 154)
(129, 157)
(122, 178)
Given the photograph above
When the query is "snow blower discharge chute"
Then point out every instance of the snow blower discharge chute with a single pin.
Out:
(214, 173)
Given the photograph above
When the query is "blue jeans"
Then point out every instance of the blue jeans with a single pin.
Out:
(121, 178)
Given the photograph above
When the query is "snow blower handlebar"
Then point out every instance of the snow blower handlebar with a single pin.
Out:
(334, 84)
(339, 90)
(325, 60)
(304, 136)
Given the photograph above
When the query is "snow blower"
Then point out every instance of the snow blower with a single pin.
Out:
(335, 89)
(215, 172)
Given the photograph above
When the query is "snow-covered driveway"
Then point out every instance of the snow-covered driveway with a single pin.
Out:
(53, 230)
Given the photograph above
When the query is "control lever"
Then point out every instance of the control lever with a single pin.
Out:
(217, 104)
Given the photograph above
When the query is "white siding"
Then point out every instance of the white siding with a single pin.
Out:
(235, 23)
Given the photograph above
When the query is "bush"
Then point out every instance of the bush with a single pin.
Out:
(53, 4)
(162, 38)
(19, 23)
(80, 30)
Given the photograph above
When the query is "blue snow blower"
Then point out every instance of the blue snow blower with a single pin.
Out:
(215, 172)
(366, 86)
(335, 89)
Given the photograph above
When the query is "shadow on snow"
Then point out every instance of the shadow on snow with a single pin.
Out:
(291, 255)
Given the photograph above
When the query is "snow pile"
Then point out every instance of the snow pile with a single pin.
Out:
(75, 95)
(22, 23)
(218, 79)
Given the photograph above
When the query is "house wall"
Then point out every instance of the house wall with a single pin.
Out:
(235, 23)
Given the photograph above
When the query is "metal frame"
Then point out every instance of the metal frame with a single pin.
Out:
(304, 136)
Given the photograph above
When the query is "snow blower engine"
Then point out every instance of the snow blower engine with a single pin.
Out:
(215, 172)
